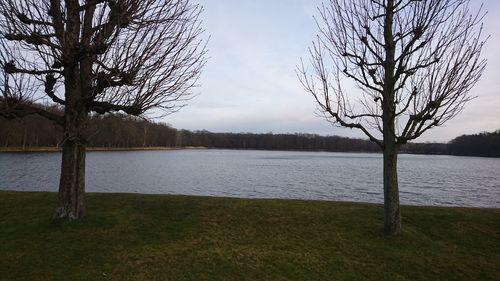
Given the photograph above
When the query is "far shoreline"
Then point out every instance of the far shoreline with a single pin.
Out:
(161, 148)
(44, 149)
(59, 149)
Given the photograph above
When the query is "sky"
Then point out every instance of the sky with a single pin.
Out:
(249, 82)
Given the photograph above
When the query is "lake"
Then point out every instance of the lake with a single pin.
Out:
(423, 179)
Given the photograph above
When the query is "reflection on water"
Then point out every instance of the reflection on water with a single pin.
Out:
(424, 179)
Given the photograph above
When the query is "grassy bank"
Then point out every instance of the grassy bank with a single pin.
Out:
(151, 237)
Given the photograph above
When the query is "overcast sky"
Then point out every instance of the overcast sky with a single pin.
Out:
(249, 83)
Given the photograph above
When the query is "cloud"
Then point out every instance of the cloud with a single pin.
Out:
(249, 84)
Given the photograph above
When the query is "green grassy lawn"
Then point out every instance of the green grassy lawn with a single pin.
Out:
(157, 237)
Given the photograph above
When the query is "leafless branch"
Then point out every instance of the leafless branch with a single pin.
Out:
(129, 56)
(417, 75)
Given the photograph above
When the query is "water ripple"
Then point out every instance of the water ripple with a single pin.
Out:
(423, 179)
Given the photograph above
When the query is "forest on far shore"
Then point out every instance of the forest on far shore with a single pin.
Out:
(120, 131)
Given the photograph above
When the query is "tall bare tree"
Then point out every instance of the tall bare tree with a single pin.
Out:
(394, 69)
(95, 56)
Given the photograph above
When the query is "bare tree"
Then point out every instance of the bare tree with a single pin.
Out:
(394, 69)
(95, 56)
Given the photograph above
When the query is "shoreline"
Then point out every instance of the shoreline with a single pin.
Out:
(257, 199)
(160, 148)
(59, 149)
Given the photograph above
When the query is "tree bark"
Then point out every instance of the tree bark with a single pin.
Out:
(72, 183)
(392, 212)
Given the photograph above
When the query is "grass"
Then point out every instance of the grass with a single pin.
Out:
(162, 237)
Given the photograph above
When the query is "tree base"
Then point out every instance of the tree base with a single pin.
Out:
(65, 213)
(393, 229)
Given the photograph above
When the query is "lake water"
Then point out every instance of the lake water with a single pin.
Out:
(423, 179)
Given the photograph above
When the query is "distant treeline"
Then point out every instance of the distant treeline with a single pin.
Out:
(483, 144)
(120, 131)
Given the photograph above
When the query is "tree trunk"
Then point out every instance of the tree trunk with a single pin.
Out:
(72, 182)
(392, 212)
(25, 134)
